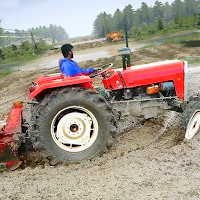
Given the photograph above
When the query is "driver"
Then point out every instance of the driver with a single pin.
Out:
(69, 67)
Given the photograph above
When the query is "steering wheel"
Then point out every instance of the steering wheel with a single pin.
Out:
(101, 70)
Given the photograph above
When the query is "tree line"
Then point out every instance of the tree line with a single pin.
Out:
(56, 32)
(145, 16)
(7, 37)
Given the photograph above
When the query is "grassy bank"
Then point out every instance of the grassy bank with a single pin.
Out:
(20, 58)
(13, 55)
(192, 40)
(21, 53)
(5, 72)
(162, 33)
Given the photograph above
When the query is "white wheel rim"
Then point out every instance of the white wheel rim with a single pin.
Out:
(74, 129)
(193, 125)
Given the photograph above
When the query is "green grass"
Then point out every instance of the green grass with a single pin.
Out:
(5, 72)
(163, 33)
(192, 60)
(18, 59)
(22, 55)
(147, 46)
(192, 40)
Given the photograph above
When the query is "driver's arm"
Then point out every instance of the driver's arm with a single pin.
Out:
(71, 69)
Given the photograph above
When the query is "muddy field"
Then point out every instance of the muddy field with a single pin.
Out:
(149, 160)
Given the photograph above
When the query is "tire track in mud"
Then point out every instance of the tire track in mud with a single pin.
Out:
(148, 160)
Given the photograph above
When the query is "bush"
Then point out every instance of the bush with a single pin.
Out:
(25, 46)
(2, 56)
(25, 52)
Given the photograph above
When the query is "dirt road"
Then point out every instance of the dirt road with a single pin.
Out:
(150, 160)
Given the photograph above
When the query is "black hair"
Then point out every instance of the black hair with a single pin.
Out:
(66, 48)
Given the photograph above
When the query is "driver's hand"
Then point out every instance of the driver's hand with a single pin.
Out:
(94, 73)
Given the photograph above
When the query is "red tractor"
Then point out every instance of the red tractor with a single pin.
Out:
(69, 119)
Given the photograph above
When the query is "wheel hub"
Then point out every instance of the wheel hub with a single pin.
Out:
(74, 128)
(193, 125)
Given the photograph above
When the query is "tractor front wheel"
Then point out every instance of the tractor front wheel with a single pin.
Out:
(191, 119)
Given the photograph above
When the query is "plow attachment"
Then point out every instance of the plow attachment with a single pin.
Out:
(8, 133)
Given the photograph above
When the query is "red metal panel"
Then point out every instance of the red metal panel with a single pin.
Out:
(58, 80)
(114, 82)
(172, 70)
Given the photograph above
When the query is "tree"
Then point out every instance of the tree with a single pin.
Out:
(190, 7)
(14, 49)
(128, 13)
(25, 46)
(118, 20)
(146, 13)
(53, 31)
(167, 12)
(103, 24)
(135, 31)
(138, 18)
(178, 8)
(1, 39)
(160, 24)
(158, 9)
(153, 29)
(180, 21)
(96, 26)
(170, 25)
(2, 56)
(144, 28)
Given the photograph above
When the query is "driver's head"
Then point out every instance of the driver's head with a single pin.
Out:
(66, 49)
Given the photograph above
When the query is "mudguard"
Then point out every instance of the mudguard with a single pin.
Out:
(57, 80)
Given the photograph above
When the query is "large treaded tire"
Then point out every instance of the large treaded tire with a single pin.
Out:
(61, 103)
(191, 107)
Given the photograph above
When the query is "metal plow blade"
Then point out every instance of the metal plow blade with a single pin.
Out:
(8, 147)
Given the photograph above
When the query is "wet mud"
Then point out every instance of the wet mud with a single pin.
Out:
(149, 159)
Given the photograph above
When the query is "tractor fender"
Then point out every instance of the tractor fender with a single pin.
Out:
(58, 80)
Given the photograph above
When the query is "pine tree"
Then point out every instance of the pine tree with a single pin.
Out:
(178, 8)
(146, 13)
(128, 13)
(158, 9)
(118, 20)
(160, 24)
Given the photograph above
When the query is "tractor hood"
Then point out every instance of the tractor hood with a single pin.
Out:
(144, 75)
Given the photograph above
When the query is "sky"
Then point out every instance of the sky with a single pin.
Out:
(76, 16)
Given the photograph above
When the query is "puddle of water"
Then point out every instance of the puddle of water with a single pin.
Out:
(9, 66)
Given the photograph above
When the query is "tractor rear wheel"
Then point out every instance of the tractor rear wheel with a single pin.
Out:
(74, 124)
